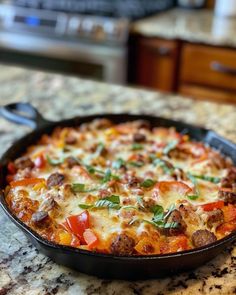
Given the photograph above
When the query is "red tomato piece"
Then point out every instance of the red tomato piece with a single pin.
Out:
(26, 181)
(173, 186)
(213, 206)
(40, 162)
(78, 224)
(226, 228)
(229, 213)
(178, 243)
(11, 168)
(90, 238)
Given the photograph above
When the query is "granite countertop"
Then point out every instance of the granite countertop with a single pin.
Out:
(23, 270)
(200, 26)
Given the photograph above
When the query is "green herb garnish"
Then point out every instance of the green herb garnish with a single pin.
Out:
(136, 164)
(137, 147)
(140, 202)
(193, 197)
(170, 146)
(148, 183)
(108, 176)
(118, 164)
(83, 206)
(161, 163)
(158, 213)
(100, 148)
(93, 170)
(208, 178)
(112, 202)
(54, 162)
(81, 188)
(108, 202)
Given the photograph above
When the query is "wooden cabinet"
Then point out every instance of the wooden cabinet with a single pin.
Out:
(208, 72)
(200, 71)
(157, 63)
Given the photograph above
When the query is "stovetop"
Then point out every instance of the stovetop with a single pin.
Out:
(100, 21)
(131, 9)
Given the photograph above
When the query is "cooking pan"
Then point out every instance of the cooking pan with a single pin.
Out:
(107, 265)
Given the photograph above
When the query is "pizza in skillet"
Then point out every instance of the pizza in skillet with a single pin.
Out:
(123, 189)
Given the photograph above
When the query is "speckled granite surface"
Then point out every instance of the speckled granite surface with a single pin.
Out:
(25, 271)
(200, 26)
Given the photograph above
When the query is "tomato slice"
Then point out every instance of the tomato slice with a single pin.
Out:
(26, 181)
(11, 168)
(213, 206)
(229, 213)
(40, 162)
(90, 238)
(173, 186)
(226, 228)
(78, 224)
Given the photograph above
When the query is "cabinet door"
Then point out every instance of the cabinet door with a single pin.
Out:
(209, 67)
(157, 63)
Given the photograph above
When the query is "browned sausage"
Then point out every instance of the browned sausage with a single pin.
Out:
(228, 196)
(49, 203)
(71, 162)
(215, 218)
(142, 124)
(23, 162)
(55, 179)
(139, 137)
(122, 244)
(174, 217)
(70, 140)
(39, 218)
(132, 180)
(230, 180)
(202, 238)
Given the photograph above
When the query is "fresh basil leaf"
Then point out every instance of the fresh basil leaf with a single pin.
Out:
(193, 197)
(93, 170)
(136, 164)
(140, 202)
(208, 178)
(158, 213)
(171, 225)
(109, 202)
(54, 162)
(170, 146)
(157, 209)
(129, 207)
(160, 163)
(148, 183)
(84, 206)
(169, 210)
(137, 147)
(118, 164)
(194, 181)
(113, 198)
(81, 188)
(107, 176)
(100, 148)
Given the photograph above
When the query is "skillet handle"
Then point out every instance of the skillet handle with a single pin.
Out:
(24, 114)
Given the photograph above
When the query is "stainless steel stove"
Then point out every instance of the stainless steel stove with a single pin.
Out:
(91, 33)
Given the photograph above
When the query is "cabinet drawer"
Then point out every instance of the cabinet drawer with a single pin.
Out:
(208, 93)
(204, 65)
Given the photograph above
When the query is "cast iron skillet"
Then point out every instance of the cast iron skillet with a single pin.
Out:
(105, 265)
